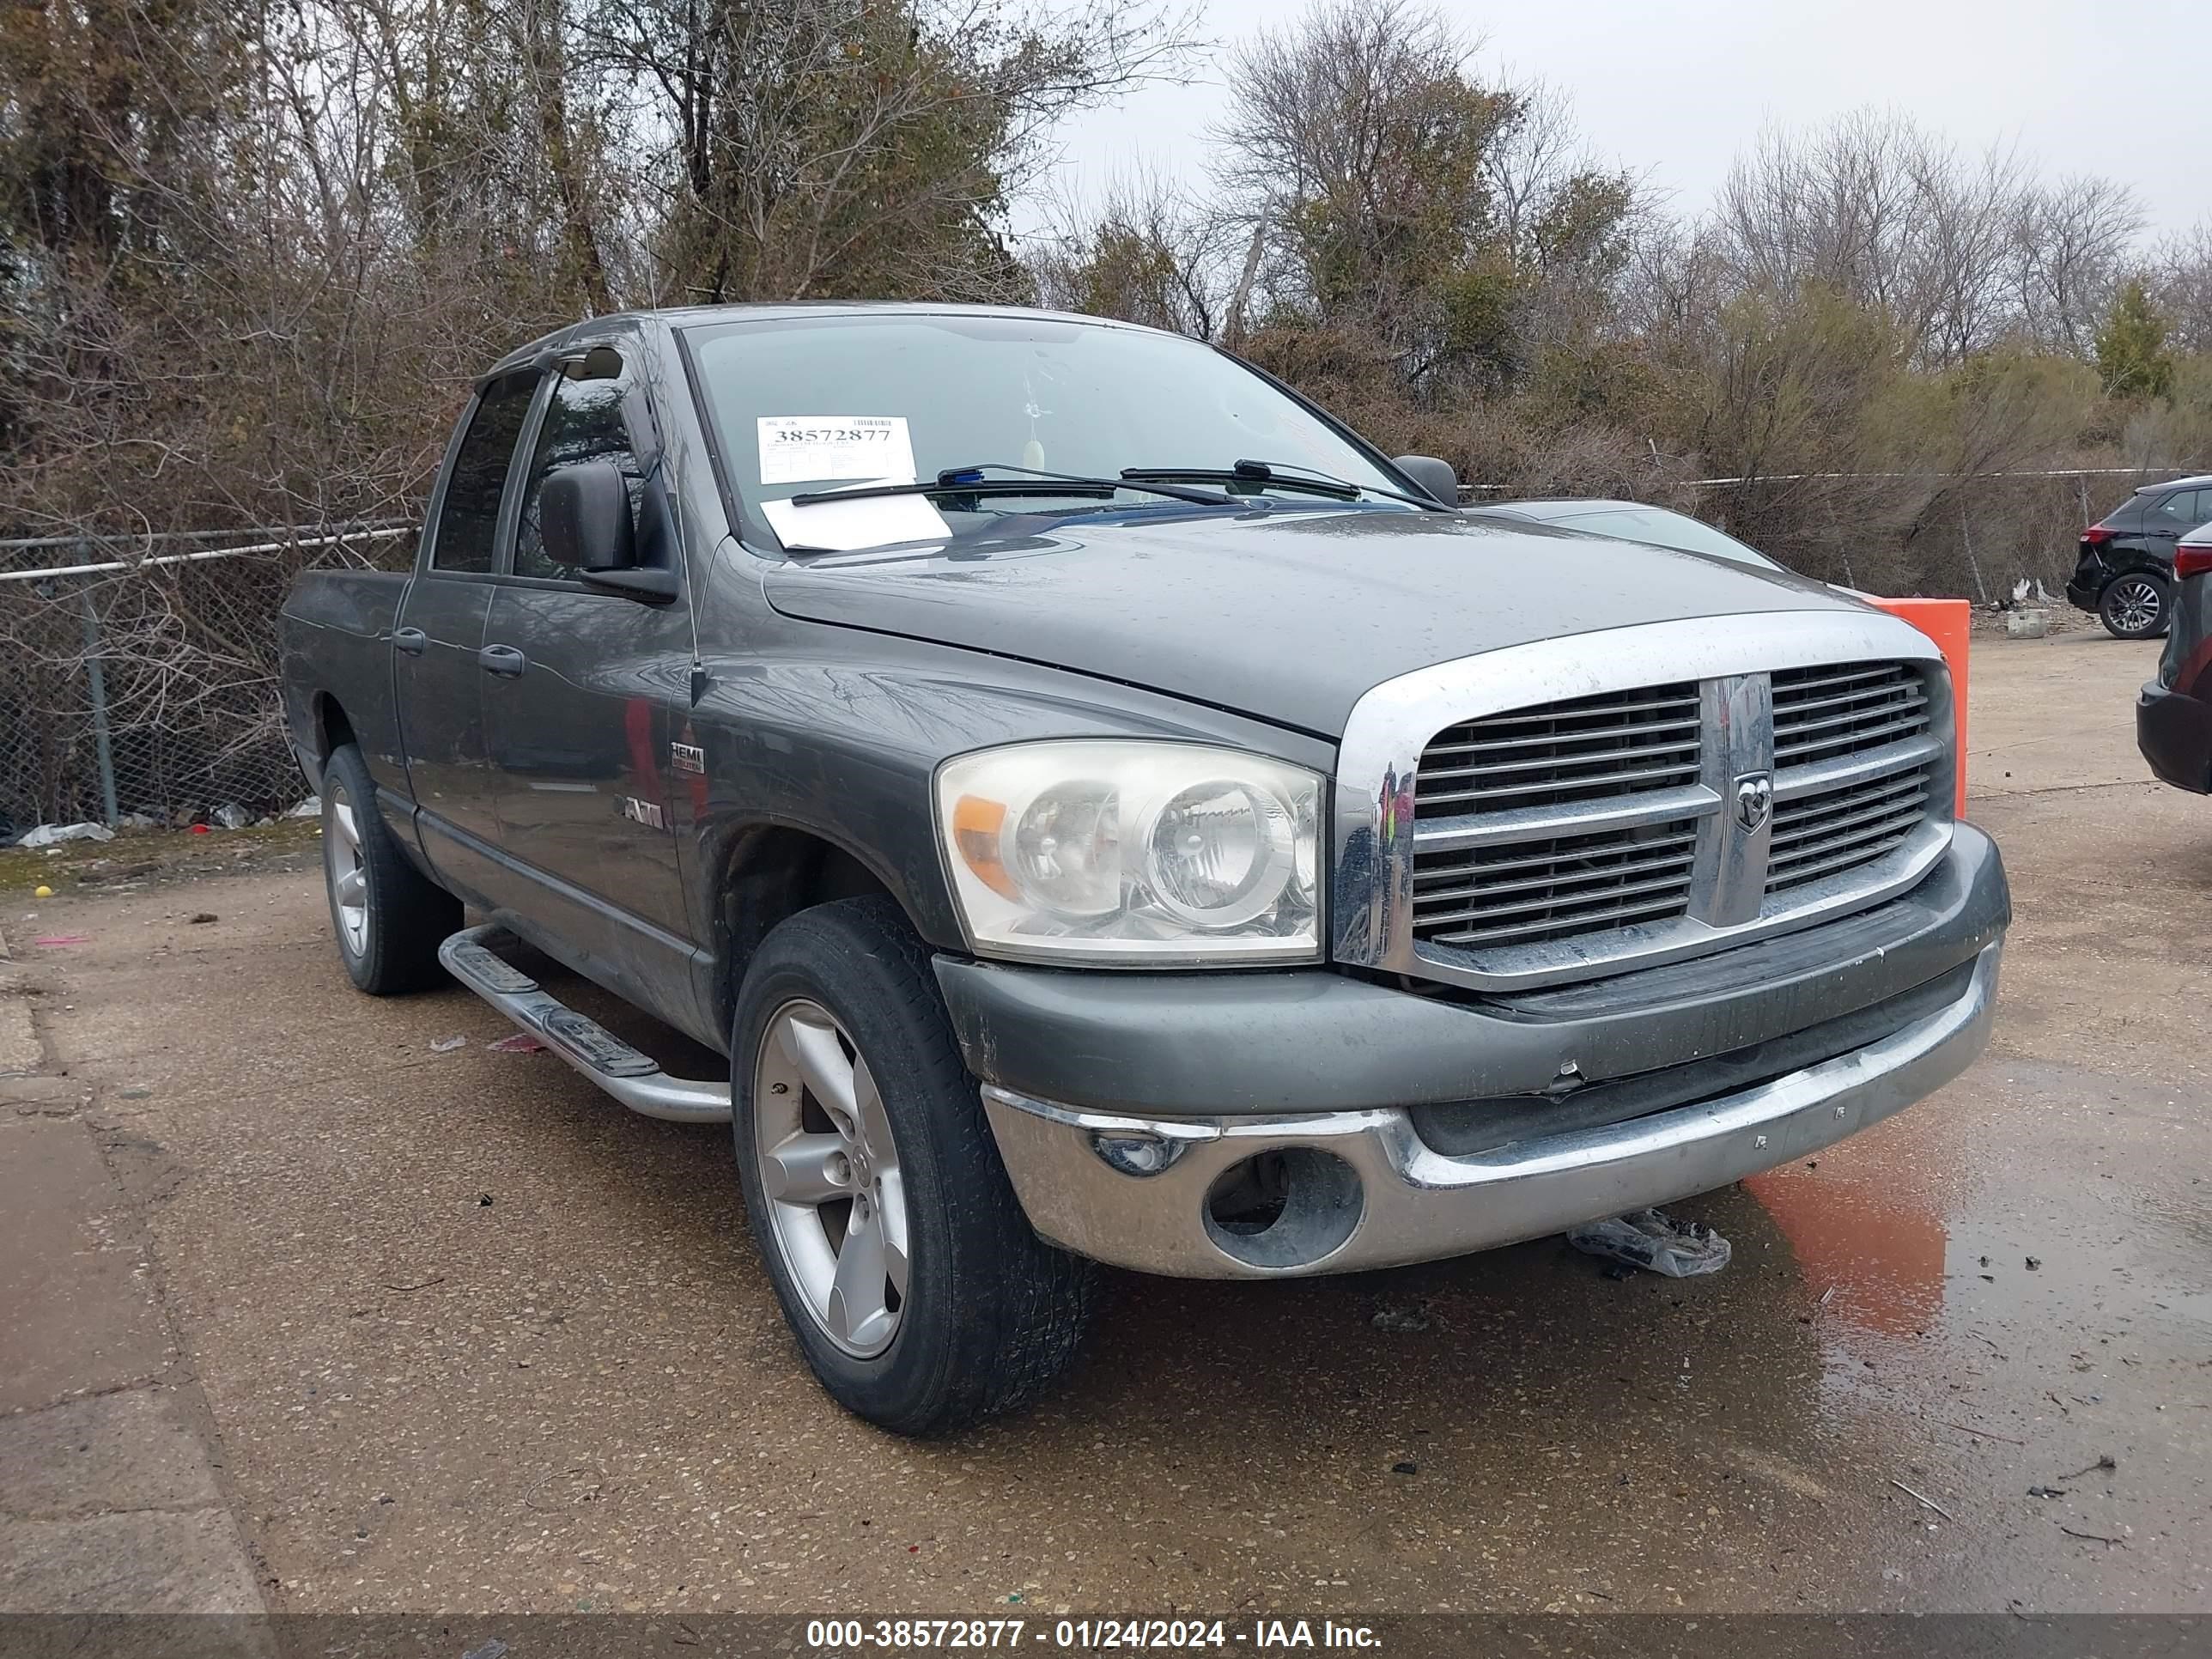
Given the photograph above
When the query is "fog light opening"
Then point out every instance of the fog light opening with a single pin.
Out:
(1283, 1209)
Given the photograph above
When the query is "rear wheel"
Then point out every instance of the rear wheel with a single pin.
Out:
(919, 1294)
(389, 919)
(2134, 606)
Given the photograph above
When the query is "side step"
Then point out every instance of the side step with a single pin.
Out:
(631, 1077)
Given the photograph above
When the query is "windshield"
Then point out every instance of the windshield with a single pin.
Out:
(1661, 528)
(809, 404)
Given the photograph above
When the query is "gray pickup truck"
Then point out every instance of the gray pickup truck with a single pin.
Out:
(1107, 811)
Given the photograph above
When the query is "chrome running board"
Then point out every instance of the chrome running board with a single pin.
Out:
(631, 1075)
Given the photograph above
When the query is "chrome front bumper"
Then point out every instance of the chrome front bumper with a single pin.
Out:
(1363, 1190)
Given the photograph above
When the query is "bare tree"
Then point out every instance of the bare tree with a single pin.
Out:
(1878, 209)
(2182, 265)
(1146, 251)
(2073, 241)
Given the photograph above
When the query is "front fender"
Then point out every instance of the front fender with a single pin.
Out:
(840, 735)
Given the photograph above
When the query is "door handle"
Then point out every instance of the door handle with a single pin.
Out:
(504, 660)
(410, 640)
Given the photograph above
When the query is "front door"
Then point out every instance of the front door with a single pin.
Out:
(437, 674)
(580, 700)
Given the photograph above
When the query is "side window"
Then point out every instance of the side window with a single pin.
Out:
(469, 515)
(2181, 510)
(583, 423)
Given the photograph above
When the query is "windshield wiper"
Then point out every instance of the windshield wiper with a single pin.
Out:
(1285, 475)
(970, 481)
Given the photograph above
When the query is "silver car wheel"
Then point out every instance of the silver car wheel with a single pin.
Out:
(831, 1169)
(2135, 604)
(342, 867)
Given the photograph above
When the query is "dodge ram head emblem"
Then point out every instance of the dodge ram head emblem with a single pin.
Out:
(1754, 800)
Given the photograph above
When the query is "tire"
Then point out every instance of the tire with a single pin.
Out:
(388, 919)
(2135, 606)
(986, 1315)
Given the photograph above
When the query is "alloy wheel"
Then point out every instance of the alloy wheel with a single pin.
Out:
(343, 867)
(2135, 604)
(831, 1169)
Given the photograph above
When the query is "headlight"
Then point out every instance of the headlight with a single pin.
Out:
(1143, 855)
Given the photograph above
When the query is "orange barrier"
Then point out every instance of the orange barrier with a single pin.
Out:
(1950, 624)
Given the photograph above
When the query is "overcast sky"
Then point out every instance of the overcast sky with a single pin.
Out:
(2120, 88)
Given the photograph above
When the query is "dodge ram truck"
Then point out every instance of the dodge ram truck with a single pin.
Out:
(1107, 811)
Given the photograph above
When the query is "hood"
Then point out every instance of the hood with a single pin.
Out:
(1286, 616)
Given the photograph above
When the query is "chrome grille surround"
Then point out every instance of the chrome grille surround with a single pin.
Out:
(1522, 880)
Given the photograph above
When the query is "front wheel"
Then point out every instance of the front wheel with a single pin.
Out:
(2134, 606)
(919, 1295)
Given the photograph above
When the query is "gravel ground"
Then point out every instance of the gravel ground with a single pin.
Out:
(465, 1336)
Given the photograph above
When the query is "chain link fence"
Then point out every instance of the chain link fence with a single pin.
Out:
(138, 679)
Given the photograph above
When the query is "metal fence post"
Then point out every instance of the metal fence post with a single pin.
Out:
(96, 682)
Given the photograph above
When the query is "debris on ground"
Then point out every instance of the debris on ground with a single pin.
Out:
(1405, 1468)
(2034, 1262)
(1404, 1322)
(1923, 1500)
(231, 816)
(1654, 1239)
(520, 1043)
(105, 872)
(310, 808)
(53, 835)
(200, 917)
(2046, 1491)
(53, 941)
(42, 892)
(446, 1045)
(2102, 1463)
(2093, 1537)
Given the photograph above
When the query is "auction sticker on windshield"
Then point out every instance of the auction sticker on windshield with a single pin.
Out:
(819, 449)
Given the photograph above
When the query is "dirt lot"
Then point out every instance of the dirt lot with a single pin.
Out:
(455, 1333)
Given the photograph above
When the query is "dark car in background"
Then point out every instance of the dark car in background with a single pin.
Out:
(2173, 715)
(1634, 521)
(2125, 572)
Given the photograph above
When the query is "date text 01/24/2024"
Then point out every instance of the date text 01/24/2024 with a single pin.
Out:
(1089, 1635)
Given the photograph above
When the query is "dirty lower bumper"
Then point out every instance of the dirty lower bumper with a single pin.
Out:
(1361, 1189)
(1304, 1040)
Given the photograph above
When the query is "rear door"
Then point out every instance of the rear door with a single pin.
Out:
(582, 694)
(437, 680)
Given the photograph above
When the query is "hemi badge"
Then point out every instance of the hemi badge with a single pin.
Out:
(688, 757)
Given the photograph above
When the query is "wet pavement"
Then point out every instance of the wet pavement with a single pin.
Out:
(469, 1337)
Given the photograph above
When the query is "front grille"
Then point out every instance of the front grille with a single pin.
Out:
(1836, 709)
(1617, 743)
(1834, 714)
(1817, 836)
(1528, 891)
(1555, 838)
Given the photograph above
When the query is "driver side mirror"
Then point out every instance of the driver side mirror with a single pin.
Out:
(584, 518)
(1436, 478)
